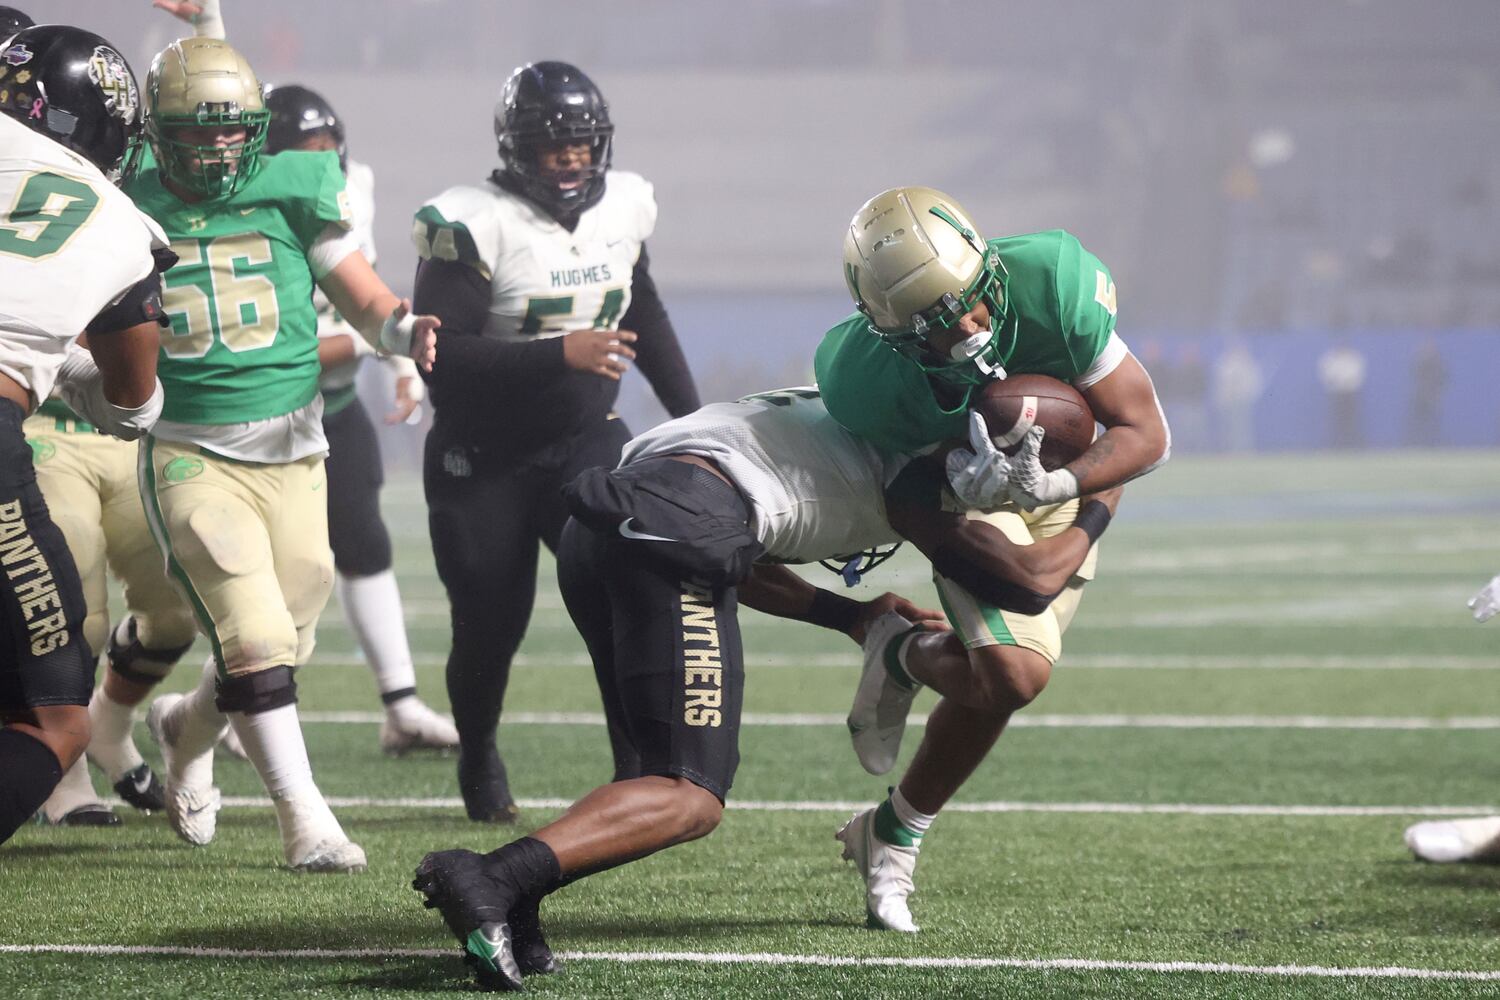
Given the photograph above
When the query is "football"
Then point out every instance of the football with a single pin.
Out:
(1012, 406)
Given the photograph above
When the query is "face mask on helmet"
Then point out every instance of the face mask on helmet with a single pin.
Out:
(975, 359)
(546, 107)
(206, 119)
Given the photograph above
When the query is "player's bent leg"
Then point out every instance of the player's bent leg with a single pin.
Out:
(132, 670)
(262, 708)
(185, 729)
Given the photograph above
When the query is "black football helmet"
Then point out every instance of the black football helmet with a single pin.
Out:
(73, 86)
(12, 21)
(549, 102)
(298, 112)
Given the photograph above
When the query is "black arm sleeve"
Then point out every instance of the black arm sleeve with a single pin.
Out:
(467, 362)
(512, 397)
(141, 303)
(658, 354)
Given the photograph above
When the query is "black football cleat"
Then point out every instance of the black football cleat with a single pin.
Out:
(476, 908)
(140, 789)
(533, 956)
(92, 814)
(485, 788)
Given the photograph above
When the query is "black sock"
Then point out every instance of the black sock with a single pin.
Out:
(528, 866)
(30, 772)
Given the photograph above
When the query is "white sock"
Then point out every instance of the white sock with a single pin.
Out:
(197, 724)
(372, 604)
(112, 746)
(907, 816)
(273, 742)
(74, 790)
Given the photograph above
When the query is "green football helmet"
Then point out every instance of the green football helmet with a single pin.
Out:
(203, 82)
(915, 264)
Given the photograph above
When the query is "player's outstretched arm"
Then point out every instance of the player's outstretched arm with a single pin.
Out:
(1486, 603)
(203, 15)
(776, 590)
(362, 298)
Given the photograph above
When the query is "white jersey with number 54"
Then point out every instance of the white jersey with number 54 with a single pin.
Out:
(70, 245)
(544, 280)
(816, 491)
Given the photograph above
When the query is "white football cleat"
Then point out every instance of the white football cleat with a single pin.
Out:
(887, 871)
(1448, 840)
(192, 800)
(877, 719)
(312, 839)
(416, 727)
(337, 854)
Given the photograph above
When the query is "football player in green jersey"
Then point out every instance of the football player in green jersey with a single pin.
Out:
(232, 477)
(941, 312)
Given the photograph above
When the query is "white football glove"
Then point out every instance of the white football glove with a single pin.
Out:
(1486, 603)
(1032, 486)
(980, 478)
(81, 386)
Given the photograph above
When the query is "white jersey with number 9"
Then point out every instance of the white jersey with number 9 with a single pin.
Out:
(70, 245)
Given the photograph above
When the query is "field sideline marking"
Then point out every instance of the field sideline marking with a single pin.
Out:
(779, 958)
(1078, 661)
(1034, 721)
(835, 806)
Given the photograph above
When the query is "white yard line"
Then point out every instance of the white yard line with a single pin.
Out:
(783, 959)
(813, 806)
(1082, 661)
(1023, 721)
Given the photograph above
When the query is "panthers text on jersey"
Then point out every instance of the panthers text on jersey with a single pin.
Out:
(816, 491)
(70, 245)
(1060, 321)
(243, 345)
(544, 280)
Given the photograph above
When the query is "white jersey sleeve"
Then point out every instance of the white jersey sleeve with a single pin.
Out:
(545, 280)
(70, 245)
(815, 490)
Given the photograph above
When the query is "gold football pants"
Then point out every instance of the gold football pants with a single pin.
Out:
(248, 544)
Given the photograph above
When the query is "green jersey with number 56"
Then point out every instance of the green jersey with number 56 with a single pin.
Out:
(244, 340)
(1060, 321)
(544, 280)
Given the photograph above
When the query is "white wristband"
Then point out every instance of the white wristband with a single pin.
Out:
(396, 335)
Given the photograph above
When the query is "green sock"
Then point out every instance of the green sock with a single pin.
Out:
(890, 829)
(893, 665)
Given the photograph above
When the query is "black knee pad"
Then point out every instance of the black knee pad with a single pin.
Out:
(261, 691)
(135, 662)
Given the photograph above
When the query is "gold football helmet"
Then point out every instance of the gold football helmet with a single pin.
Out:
(203, 82)
(915, 263)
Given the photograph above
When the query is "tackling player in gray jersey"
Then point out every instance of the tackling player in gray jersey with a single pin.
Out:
(701, 515)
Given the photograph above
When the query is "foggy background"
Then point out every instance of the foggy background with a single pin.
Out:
(1297, 198)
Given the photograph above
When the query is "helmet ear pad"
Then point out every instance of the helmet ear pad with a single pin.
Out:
(546, 103)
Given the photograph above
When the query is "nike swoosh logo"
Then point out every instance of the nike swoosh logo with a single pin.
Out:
(193, 811)
(142, 784)
(629, 532)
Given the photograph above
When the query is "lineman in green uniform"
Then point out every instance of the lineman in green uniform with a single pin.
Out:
(942, 312)
(232, 476)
